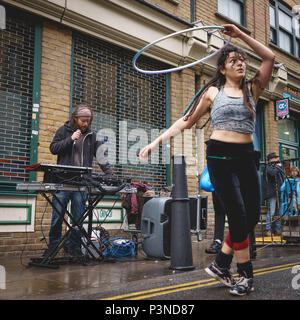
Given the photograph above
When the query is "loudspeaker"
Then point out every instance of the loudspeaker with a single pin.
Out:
(156, 224)
(156, 227)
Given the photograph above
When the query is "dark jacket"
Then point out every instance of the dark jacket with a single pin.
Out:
(272, 181)
(62, 145)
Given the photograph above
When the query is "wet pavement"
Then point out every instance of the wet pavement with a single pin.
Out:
(120, 278)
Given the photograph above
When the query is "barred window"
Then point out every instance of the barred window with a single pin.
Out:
(129, 107)
(16, 83)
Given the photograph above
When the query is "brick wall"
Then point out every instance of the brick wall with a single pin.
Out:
(271, 128)
(54, 111)
(182, 92)
(54, 107)
(55, 86)
(180, 9)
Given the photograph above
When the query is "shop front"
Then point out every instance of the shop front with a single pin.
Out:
(288, 129)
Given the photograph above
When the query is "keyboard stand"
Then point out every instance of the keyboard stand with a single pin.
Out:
(95, 194)
(49, 259)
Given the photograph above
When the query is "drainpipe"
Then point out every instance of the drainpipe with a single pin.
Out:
(193, 10)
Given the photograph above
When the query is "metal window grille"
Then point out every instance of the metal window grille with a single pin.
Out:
(125, 104)
(16, 82)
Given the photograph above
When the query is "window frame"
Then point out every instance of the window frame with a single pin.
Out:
(292, 145)
(9, 187)
(278, 6)
(243, 12)
(122, 71)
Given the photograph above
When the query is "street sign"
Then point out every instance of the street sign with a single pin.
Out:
(282, 108)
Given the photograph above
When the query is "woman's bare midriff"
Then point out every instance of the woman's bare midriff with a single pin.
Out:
(231, 136)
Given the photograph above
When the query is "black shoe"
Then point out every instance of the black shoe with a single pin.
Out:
(215, 247)
(221, 274)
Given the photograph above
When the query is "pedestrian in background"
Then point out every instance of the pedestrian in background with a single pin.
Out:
(219, 226)
(272, 181)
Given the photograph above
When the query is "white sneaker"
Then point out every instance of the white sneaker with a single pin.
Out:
(242, 286)
(221, 274)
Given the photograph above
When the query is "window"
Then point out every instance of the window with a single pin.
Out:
(287, 130)
(123, 101)
(233, 9)
(284, 26)
(288, 135)
(17, 43)
(2, 18)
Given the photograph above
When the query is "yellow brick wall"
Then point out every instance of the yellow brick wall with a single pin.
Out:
(182, 92)
(54, 103)
(271, 128)
(179, 8)
(54, 111)
(55, 86)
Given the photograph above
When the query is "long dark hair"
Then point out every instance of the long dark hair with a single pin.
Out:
(219, 80)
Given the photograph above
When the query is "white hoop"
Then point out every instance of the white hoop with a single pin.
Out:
(181, 67)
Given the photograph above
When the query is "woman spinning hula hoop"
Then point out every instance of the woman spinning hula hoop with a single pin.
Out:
(231, 159)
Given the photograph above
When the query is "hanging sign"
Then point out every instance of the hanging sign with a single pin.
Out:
(292, 94)
(282, 108)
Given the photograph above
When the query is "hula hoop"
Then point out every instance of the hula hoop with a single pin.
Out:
(192, 101)
(181, 67)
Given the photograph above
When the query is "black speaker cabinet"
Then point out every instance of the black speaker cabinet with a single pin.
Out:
(156, 224)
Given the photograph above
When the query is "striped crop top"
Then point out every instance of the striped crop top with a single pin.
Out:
(229, 113)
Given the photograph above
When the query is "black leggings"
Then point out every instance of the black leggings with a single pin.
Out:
(235, 180)
(219, 217)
